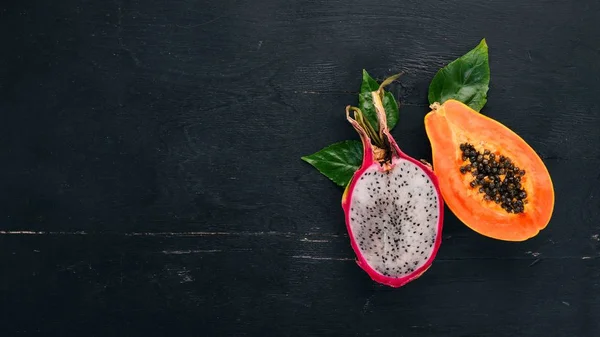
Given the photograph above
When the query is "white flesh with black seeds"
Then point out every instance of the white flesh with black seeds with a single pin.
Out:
(394, 218)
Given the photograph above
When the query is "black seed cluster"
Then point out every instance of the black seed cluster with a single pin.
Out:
(487, 170)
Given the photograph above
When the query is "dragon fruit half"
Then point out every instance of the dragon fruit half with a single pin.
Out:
(393, 207)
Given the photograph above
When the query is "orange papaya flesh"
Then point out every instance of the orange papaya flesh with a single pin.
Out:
(511, 218)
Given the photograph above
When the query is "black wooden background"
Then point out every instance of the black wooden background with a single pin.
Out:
(151, 181)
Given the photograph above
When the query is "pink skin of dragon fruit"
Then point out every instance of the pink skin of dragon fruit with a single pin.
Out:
(393, 207)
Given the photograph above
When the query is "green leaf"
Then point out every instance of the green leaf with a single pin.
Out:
(391, 109)
(465, 79)
(365, 102)
(368, 83)
(338, 161)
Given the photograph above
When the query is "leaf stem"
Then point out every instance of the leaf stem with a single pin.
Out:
(362, 121)
(387, 81)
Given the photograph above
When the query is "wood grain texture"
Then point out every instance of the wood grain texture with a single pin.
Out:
(223, 285)
(152, 182)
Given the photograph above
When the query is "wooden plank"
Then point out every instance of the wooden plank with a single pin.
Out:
(135, 285)
(151, 181)
(184, 184)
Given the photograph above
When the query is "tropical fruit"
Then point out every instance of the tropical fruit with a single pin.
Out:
(393, 207)
(490, 178)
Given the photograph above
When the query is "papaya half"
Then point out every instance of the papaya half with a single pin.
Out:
(489, 177)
